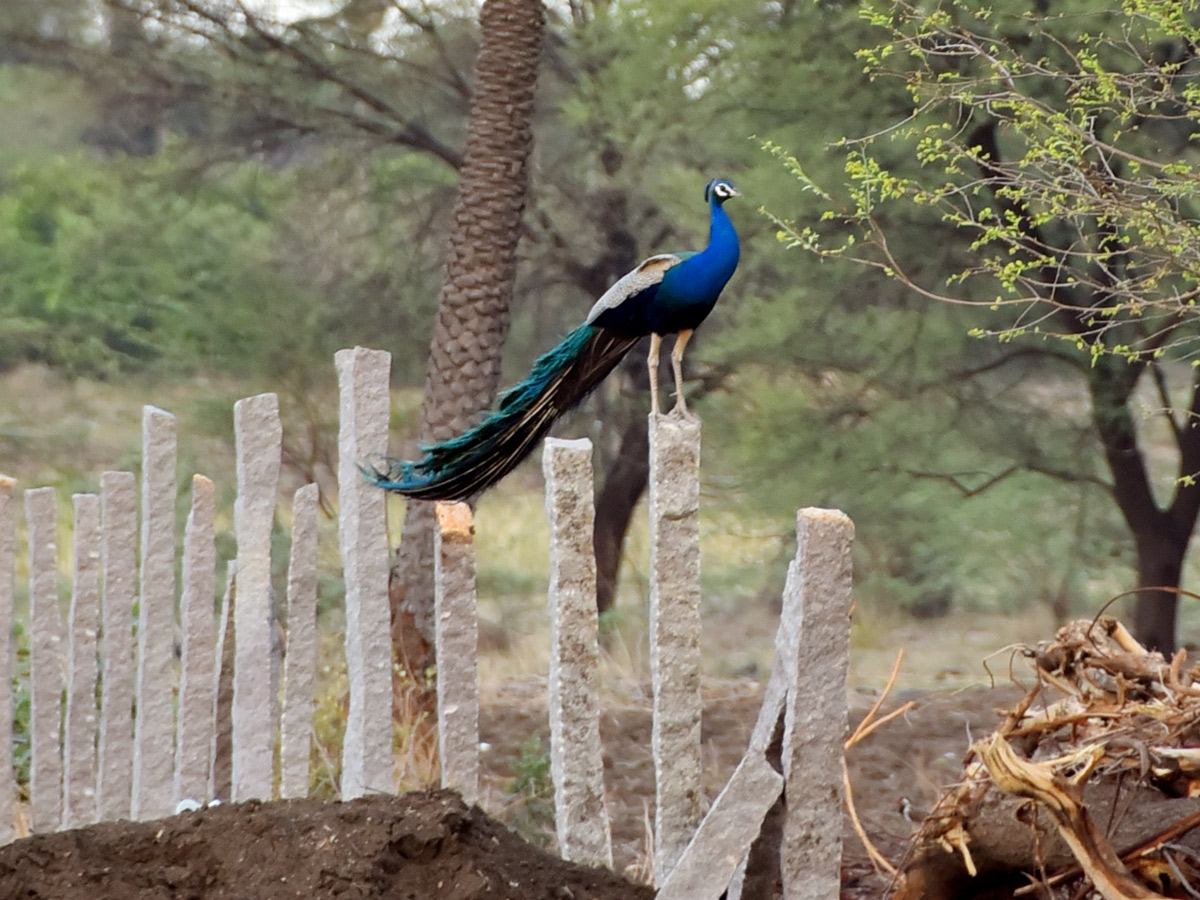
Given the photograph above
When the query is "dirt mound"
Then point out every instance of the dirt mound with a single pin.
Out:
(421, 846)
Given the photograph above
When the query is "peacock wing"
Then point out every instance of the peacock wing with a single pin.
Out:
(649, 273)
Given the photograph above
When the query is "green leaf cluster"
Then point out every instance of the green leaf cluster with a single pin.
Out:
(1061, 144)
(106, 267)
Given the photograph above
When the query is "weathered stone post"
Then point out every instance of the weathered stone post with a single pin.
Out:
(803, 716)
(817, 600)
(362, 533)
(8, 560)
(457, 644)
(259, 438)
(724, 837)
(79, 729)
(576, 754)
(222, 746)
(300, 659)
(45, 664)
(118, 522)
(154, 727)
(675, 634)
(194, 732)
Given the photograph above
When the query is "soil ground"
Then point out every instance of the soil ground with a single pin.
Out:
(428, 845)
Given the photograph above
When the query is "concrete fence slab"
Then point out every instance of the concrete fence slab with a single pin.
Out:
(258, 437)
(194, 732)
(675, 635)
(45, 663)
(299, 662)
(456, 639)
(79, 730)
(365, 402)
(154, 727)
(576, 754)
(118, 558)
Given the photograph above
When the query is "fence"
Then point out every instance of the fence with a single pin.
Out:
(199, 732)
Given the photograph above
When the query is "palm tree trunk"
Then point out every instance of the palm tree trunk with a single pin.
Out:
(477, 286)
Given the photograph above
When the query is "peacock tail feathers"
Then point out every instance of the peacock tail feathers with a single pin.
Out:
(670, 293)
(473, 461)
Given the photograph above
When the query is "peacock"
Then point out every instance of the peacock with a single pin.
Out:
(670, 293)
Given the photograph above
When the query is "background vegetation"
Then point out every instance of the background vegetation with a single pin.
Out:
(204, 199)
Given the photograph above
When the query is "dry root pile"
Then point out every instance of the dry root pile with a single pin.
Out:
(1087, 785)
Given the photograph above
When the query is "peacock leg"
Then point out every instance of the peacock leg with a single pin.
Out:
(652, 365)
(677, 368)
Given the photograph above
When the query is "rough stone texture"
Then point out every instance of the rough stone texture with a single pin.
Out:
(767, 729)
(79, 731)
(576, 755)
(194, 730)
(8, 559)
(154, 726)
(675, 635)
(773, 700)
(365, 401)
(222, 750)
(258, 435)
(457, 644)
(300, 659)
(816, 608)
(118, 517)
(45, 663)
(725, 835)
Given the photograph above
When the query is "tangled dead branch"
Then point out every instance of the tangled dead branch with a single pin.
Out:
(1088, 784)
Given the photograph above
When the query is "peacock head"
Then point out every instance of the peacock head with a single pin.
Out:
(719, 190)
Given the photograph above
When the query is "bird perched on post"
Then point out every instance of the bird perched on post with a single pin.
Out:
(670, 293)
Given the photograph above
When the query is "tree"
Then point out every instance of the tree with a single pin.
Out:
(360, 120)
(474, 304)
(1060, 147)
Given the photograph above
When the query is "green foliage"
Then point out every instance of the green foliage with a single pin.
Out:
(1040, 178)
(534, 790)
(53, 123)
(329, 720)
(22, 749)
(1061, 146)
(935, 476)
(327, 228)
(365, 235)
(107, 268)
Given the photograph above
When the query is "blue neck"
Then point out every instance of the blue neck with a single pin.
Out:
(687, 292)
(690, 289)
(722, 239)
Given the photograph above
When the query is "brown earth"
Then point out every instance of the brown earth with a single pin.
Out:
(428, 845)
(420, 846)
(910, 759)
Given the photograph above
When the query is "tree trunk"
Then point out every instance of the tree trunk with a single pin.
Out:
(624, 483)
(477, 287)
(1161, 535)
(1160, 564)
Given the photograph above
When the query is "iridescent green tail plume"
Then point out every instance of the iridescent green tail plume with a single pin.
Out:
(472, 462)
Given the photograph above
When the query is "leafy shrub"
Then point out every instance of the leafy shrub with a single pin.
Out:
(107, 268)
